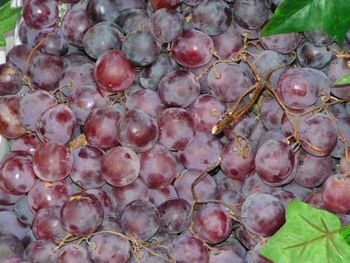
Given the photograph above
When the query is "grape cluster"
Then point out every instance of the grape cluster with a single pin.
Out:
(165, 131)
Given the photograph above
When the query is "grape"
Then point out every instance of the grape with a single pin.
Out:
(233, 198)
(226, 184)
(104, 198)
(250, 14)
(23, 211)
(52, 42)
(311, 56)
(217, 22)
(47, 226)
(206, 111)
(227, 82)
(101, 10)
(202, 153)
(141, 48)
(318, 38)
(174, 216)
(45, 194)
(141, 100)
(268, 60)
(145, 256)
(205, 188)
(176, 128)
(225, 255)
(17, 175)
(298, 88)
(159, 196)
(311, 170)
(299, 191)
(10, 246)
(317, 134)
(336, 193)
(137, 130)
(113, 72)
(140, 219)
(123, 196)
(86, 170)
(133, 20)
(18, 56)
(237, 159)
(83, 100)
(44, 71)
(7, 198)
(211, 224)
(10, 79)
(52, 162)
(33, 105)
(283, 43)
(192, 48)
(192, 2)
(157, 167)
(74, 25)
(111, 223)
(344, 164)
(40, 14)
(120, 166)
(336, 69)
(166, 25)
(284, 196)
(73, 254)
(178, 89)
(75, 76)
(81, 214)
(26, 33)
(274, 162)
(10, 124)
(262, 214)
(152, 74)
(157, 4)
(315, 199)
(10, 225)
(187, 248)
(228, 43)
(41, 251)
(253, 256)
(130, 4)
(100, 38)
(109, 248)
(271, 114)
(56, 124)
(100, 126)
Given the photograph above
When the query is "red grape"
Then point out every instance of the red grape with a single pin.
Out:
(81, 214)
(192, 48)
(10, 124)
(189, 249)
(52, 162)
(120, 166)
(40, 14)
(10, 79)
(113, 72)
(336, 193)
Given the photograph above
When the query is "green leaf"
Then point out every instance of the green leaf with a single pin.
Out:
(309, 235)
(2, 40)
(8, 20)
(343, 80)
(330, 16)
(3, 2)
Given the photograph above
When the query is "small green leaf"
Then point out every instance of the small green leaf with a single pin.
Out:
(343, 80)
(330, 16)
(309, 235)
(2, 40)
(3, 2)
(9, 23)
(7, 11)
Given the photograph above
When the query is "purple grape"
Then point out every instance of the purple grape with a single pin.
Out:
(40, 14)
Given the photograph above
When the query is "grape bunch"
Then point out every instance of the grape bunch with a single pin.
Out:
(165, 131)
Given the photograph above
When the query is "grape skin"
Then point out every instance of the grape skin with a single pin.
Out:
(262, 214)
(44, 194)
(120, 166)
(40, 14)
(189, 249)
(81, 214)
(113, 72)
(140, 219)
(192, 48)
(10, 79)
(336, 193)
(161, 21)
(283, 43)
